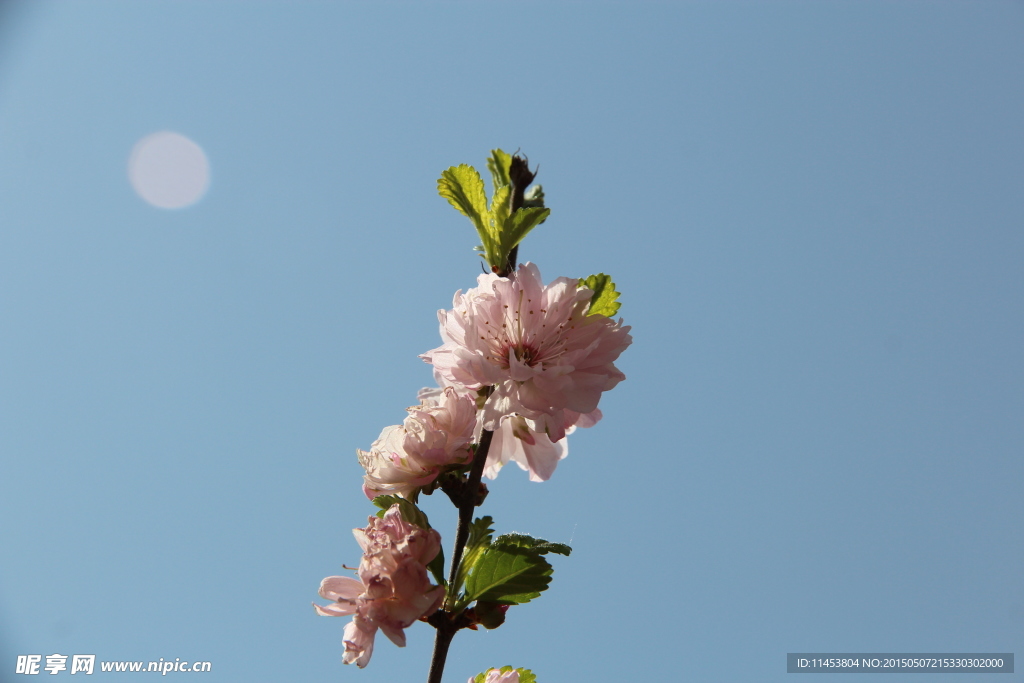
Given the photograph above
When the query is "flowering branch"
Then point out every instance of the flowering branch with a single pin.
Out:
(520, 176)
(471, 498)
(443, 620)
(522, 365)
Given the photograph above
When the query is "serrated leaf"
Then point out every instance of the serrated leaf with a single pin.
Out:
(384, 502)
(498, 164)
(605, 299)
(538, 545)
(480, 532)
(499, 209)
(519, 225)
(508, 574)
(463, 187)
(526, 676)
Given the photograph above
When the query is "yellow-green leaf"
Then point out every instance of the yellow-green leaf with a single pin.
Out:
(463, 187)
(520, 224)
(605, 299)
(498, 164)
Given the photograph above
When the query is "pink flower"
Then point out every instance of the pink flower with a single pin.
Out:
(393, 589)
(547, 359)
(515, 441)
(498, 676)
(405, 457)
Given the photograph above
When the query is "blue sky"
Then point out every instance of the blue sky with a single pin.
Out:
(814, 213)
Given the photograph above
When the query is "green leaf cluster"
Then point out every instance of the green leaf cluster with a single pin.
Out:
(500, 231)
(525, 675)
(605, 300)
(507, 570)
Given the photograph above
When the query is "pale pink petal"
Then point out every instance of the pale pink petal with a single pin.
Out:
(395, 635)
(335, 609)
(542, 457)
(584, 420)
(358, 641)
(532, 451)
(340, 587)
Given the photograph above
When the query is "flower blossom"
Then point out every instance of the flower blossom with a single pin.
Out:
(393, 589)
(498, 676)
(548, 360)
(515, 441)
(405, 457)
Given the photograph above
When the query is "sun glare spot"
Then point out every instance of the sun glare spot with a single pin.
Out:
(168, 170)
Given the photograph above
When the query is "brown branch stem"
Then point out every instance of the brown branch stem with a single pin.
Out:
(446, 622)
(521, 176)
(441, 642)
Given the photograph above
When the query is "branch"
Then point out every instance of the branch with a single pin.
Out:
(445, 622)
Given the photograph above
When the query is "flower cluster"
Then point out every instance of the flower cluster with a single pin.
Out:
(522, 364)
(405, 457)
(393, 589)
(548, 360)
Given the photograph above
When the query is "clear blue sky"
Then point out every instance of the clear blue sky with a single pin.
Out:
(815, 213)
